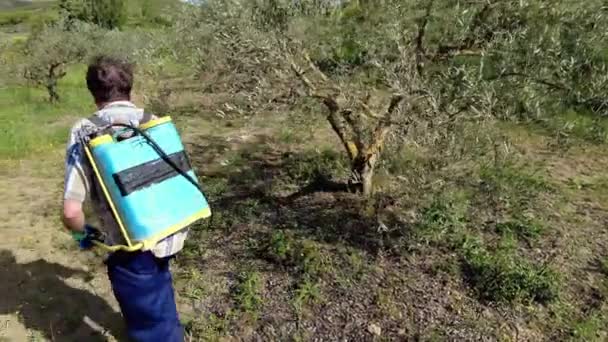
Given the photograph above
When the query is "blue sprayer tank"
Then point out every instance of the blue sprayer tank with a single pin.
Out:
(151, 198)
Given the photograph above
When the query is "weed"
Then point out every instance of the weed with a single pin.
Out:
(604, 266)
(246, 211)
(589, 329)
(502, 276)
(247, 292)
(210, 328)
(386, 303)
(448, 267)
(353, 267)
(309, 259)
(215, 186)
(306, 261)
(509, 175)
(280, 247)
(307, 292)
(26, 14)
(521, 227)
(306, 167)
(515, 186)
(219, 220)
(289, 136)
(304, 256)
(356, 263)
(442, 219)
(402, 162)
(250, 209)
(193, 288)
(582, 125)
(435, 335)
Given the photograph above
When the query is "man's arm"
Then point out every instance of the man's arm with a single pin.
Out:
(76, 185)
(73, 215)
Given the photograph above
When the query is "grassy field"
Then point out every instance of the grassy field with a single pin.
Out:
(30, 125)
(17, 15)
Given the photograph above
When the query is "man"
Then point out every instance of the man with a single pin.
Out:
(141, 281)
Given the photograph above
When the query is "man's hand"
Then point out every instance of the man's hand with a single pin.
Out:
(74, 220)
(87, 236)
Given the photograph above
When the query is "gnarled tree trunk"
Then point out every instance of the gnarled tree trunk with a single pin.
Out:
(55, 73)
(350, 126)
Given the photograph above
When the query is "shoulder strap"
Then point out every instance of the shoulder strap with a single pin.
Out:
(147, 117)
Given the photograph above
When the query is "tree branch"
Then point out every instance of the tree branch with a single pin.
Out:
(355, 122)
(338, 126)
(550, 84)
(420, 50)
(466, 46)
(383, 127)
(334, 116)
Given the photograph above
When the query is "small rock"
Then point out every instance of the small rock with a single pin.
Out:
(374, 329)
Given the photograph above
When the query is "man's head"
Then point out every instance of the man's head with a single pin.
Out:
(109, 79)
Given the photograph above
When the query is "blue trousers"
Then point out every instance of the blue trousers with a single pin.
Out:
(142, 284)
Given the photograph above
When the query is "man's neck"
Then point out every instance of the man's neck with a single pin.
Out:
(103, 105)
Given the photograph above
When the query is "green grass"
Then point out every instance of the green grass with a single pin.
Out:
(31, 125)
(247, 292)
(443, 220)
(26, 14)
(589, 329)
(514, 177)
(305, 167)
(212, 328)
(522, 227)
(305, 260)
(305, 256)
(604, 266)
(307, 292)
(495, 273)
(280, 247)
(581, 125)
(503, 276)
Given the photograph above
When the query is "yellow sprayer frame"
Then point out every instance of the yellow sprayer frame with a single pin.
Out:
(130, 246)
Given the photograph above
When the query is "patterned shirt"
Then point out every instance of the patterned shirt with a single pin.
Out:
(81, 185)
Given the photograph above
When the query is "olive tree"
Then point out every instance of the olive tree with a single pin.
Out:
(361, 64)
(109, 14)
(374, 84)
(439, 64)
(50, 51)
(380, 70)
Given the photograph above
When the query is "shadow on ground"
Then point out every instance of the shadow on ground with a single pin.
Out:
(258, 182)
(37, 294)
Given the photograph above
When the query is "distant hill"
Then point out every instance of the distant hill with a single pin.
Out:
(15, 4)
(11, 4)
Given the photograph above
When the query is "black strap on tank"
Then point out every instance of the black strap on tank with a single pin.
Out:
(163, 155)
(152, 172)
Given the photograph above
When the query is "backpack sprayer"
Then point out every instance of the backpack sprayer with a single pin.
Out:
(148, 182)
